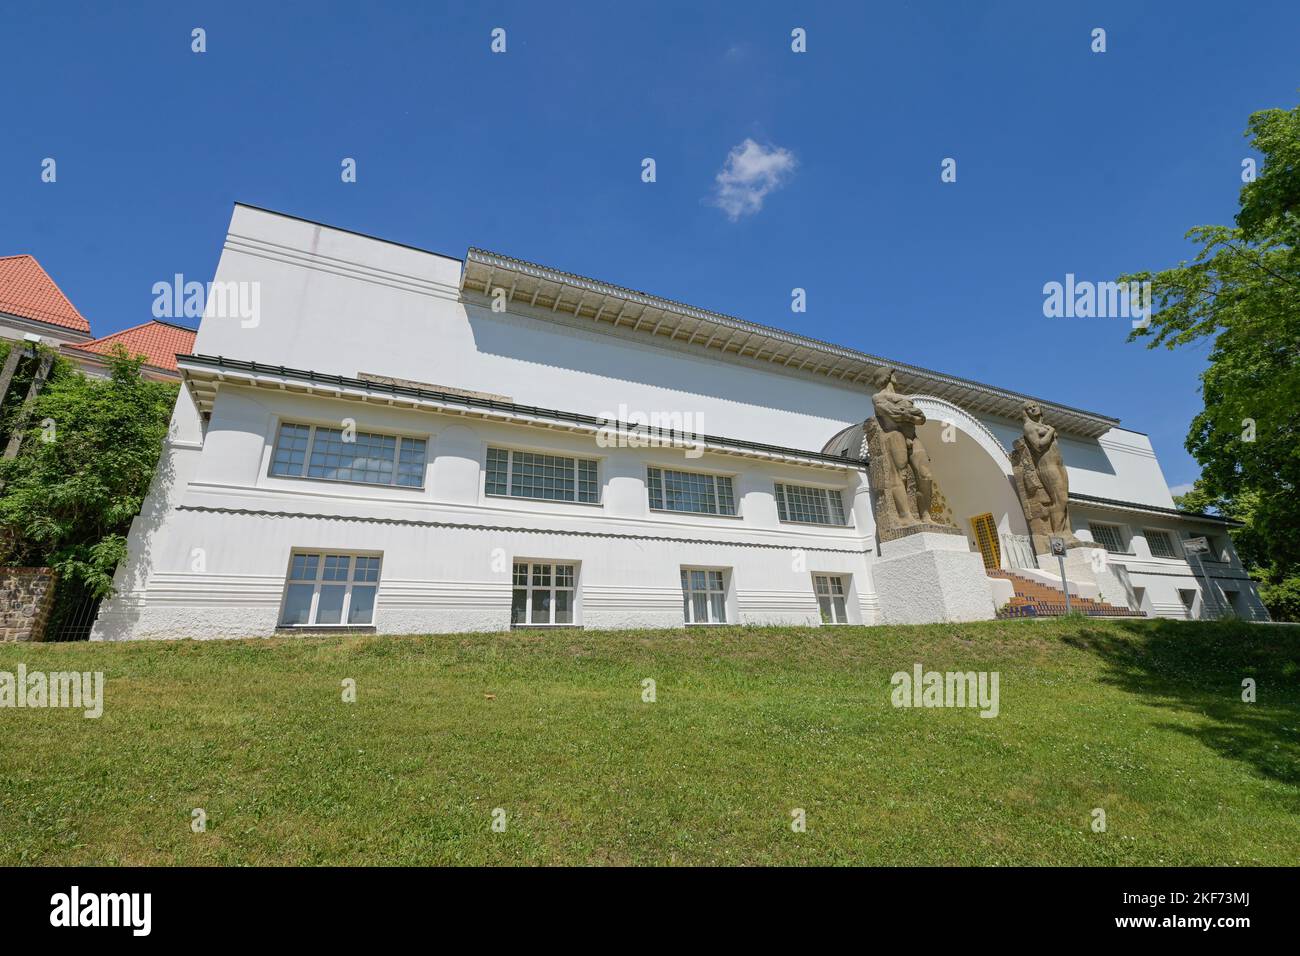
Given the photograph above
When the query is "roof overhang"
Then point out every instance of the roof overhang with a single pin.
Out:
(616, 307)
(1136, 507)
(204, 375)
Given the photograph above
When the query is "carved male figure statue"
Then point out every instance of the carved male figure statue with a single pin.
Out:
(899, 418)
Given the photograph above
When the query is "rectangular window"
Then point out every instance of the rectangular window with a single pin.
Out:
(809, 505)
(525, 474)
(831, 594)
(1160, 543)
(543, 593)
(691, 492)
(1108, 536)
(330, 589)
(704, 596)
(314, 451)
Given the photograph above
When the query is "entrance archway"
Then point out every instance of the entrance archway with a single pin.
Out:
(974, 474)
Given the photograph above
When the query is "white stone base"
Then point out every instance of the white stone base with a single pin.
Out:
(931, 578)
(1087, 571)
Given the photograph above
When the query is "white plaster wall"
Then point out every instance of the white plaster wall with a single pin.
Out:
(211, 558)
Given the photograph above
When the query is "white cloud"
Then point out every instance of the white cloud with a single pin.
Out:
(1176, 490)
(749, 174)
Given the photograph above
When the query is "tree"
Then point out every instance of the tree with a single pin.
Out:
(1242, 292)
(86, 462)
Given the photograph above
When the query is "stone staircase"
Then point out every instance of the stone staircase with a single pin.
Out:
(1035, 599)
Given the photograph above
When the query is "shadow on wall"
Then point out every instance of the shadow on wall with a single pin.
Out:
(118, 614)
(595, 352)
(1196, 669)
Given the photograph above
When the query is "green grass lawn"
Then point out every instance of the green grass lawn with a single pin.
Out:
(1142, 719)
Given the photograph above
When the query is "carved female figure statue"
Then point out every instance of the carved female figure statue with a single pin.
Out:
(1049, 469)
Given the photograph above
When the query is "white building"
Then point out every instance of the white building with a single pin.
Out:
(382, 448)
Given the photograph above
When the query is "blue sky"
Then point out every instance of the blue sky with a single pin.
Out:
(1068, 161)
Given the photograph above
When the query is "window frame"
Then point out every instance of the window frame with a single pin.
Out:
(401, 438)
(844, 580)
(319, 580)
(577, 459)
(1174, 540)
(782, 498)
(712, 475)
(689, 591)
(1119, 534)
(530, 587)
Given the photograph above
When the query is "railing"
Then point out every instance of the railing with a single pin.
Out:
(1018, 552)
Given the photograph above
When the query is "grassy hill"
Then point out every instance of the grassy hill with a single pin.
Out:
(1142, 719)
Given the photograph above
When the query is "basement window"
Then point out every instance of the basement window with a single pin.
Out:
(704, 595)
(330, 589)
(831, 598)
(543, 593)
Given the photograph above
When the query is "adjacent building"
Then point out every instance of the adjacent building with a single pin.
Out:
(401, 441)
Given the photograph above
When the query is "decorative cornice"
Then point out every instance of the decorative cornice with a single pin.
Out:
(204, 374)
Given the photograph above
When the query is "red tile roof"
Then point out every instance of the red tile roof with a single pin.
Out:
(158, 342)
(26, 290)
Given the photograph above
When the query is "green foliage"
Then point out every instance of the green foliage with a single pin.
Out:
(1282, 598)
(87, 458)
(1242, 292)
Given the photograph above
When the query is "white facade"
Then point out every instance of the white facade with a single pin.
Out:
(402, 344)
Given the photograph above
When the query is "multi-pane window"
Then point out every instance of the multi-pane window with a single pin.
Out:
(704, 596)
(809, 505)
(690, 491)
(330, 589)
(315, 451)
(543, 593)
(1108, 536)
(526, 474)
(1160, 544)
(831, 594)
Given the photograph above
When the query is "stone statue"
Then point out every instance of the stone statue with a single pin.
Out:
(1042, 483)
(899, 467)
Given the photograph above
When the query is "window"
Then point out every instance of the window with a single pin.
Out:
(809, 505)
(704, 596)
(1161, 545)
(1108, 536)
(525, 474)
(1188, 597)
(831, 598)
(690, 491)
(325, 589)
(314, 451)
(543, 593)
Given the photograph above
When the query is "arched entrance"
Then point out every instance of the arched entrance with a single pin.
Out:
(974, 475)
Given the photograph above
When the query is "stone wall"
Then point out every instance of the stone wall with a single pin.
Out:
(26, 597)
